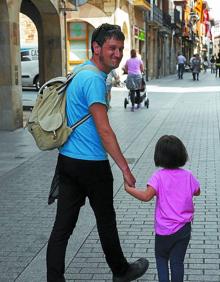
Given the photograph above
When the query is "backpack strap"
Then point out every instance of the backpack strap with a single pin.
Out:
(69, 79)
(59, 79)
(83, 119)
(63, 86)
(64, 81)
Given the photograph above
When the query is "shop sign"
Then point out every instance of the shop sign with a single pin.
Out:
(139, 33)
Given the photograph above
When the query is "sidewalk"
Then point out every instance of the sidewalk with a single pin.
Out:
(184, 108)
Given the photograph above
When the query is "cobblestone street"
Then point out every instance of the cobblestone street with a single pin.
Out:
(190, 110)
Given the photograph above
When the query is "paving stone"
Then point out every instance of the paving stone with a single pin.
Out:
(190, 112)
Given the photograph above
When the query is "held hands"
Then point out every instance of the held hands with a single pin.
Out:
(128, 187)
(128, 177)
(129, 180)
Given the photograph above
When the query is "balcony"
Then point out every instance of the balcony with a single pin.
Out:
(156, 16)
(180, 2)
(144, 4)
(177, 20)
(166, 19)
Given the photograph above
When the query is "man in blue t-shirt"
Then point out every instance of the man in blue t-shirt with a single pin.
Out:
(83, 163)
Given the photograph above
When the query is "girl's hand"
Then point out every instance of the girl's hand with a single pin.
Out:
(141, 194)
(127, 187)
(128, 177)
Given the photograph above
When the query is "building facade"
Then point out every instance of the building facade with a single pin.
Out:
(216, 38)
(48, 19)
(157, 29)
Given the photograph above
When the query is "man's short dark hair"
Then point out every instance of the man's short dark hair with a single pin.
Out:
(106, 31)
(170, 152)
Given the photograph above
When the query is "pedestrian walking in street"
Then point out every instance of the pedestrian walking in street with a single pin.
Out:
(109, 81)
(196, 67)
(181, 60)
(134, 68)
(84, 166)
(212, 61)
(174, 188)
(217, 66)
(190, 61)
(205, 64)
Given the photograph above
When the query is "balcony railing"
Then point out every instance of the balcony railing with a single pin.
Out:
(166, 19)
(156, 15)
(177, 16)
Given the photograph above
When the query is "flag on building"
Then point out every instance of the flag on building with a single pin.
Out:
(198, 8)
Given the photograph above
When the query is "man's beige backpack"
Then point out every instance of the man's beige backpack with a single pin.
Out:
(47, 122)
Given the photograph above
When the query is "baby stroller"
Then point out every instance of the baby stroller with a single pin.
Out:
(144, 100)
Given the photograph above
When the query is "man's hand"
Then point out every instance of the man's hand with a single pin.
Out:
(128, 187)
(128, 177)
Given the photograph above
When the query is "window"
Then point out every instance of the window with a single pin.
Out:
(79, 38)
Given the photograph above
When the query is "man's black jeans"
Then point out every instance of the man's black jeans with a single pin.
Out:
(80, 179)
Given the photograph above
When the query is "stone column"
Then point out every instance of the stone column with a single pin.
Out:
(11, 115)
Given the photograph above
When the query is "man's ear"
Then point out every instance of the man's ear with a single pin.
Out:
(96, 47)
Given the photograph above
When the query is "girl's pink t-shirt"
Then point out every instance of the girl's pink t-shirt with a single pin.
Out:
(174, 199)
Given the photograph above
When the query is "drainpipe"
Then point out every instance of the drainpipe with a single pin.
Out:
(117, 5)
(158, 54)
(146, 44)
(65, 33)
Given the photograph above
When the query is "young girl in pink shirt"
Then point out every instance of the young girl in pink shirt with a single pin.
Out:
(174, 188)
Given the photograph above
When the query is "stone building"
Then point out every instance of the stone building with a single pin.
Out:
(64, 33)
(152, 27)
(28, 31)
(48, 19)
(216, 39)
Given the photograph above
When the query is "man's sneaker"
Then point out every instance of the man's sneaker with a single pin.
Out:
(135, 270)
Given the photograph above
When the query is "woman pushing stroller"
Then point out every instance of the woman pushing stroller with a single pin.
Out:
(134, 68)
